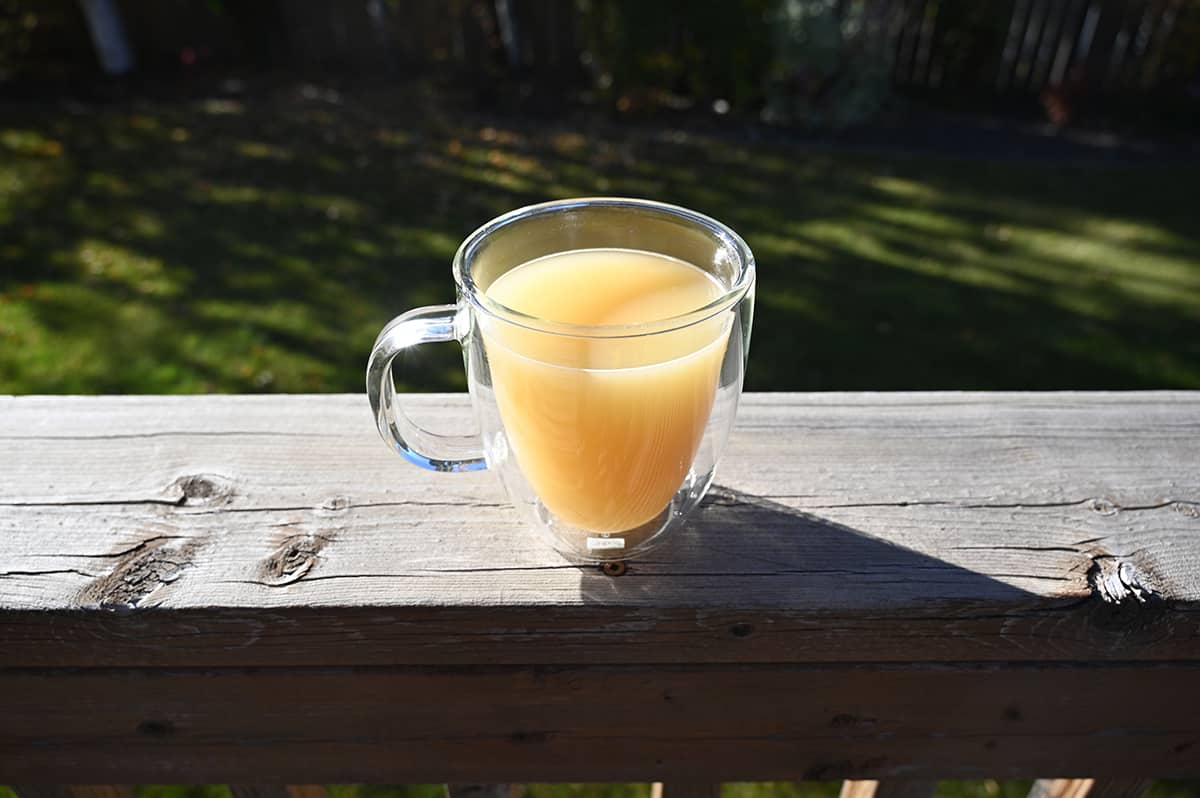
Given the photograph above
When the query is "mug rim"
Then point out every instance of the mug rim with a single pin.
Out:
(501, 312)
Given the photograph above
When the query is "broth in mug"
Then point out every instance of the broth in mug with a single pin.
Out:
(605, 428)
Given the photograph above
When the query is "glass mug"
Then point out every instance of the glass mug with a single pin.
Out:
(605, 436)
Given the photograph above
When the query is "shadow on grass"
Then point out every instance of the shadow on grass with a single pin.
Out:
(259, 243)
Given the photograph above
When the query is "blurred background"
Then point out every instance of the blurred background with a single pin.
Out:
(235, 196)
(808, 789)
(209, 195)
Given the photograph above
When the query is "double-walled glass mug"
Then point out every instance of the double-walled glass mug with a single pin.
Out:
(606, 435)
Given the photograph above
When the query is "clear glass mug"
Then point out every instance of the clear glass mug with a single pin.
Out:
(605, 437)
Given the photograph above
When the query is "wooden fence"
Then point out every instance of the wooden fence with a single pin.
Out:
(1098, 46)
(895, 587)
(1021, 47)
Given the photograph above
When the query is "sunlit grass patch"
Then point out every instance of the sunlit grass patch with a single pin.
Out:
(232, 245)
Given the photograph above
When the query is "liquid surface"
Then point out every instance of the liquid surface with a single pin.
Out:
(605, 429)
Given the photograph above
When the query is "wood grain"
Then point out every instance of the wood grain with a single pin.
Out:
(514, 724)
(280, 530)
(881, 586)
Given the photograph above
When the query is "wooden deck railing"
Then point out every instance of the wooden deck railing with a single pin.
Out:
(896, 587)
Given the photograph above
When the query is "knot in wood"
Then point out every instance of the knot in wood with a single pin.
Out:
(292, 559)
(140, 572)
(1116, 581)
(1103, 506)
(1189, 509)
(201, 490)
(614, 568)
(742, 629)
(1124, 600)
(336, 503)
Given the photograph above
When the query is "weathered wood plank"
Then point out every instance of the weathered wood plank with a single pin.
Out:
(855, 527)
(599, 723)
(1031, 448)
(227, 589)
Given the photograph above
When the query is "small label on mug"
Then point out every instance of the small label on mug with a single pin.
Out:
(605, 543)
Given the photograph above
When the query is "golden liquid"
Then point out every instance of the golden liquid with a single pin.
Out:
(605, 429)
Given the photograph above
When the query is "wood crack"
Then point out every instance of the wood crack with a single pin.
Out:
(350, 507)
(48, 572)
(1100, 505)
(320, 579)
(120, 436)
(717, 502)
(299, 572)
(502, 568)
(124, 552)
(181, 503)
(1035, 549)
(95, 503)
(948, 503)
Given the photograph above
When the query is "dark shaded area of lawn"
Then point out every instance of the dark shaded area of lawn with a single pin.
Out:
(257, 242)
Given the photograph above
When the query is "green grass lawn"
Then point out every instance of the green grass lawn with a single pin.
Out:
(258, 244)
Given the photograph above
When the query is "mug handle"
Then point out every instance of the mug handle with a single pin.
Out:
(432, 450)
